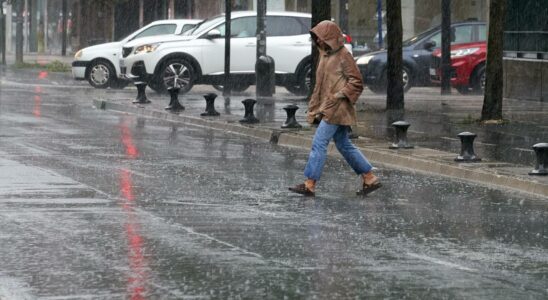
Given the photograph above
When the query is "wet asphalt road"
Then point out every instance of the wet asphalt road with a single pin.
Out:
(100, 205)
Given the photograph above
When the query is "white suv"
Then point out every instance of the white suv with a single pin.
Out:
(197, 57)
(99, 64)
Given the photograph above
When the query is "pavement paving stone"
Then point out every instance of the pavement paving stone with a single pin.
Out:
(435, 122)
(422, 159)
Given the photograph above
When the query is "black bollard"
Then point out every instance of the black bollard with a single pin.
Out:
(291, 121)
(174, 105)
(467, 148)
(541, 150)
(141, 94)
(401, 136)
(266, 76)
(210, 105)
(249, 116)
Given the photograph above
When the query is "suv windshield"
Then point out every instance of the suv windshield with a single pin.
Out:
(204, 25)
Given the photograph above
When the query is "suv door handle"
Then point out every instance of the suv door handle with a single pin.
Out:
(250, 45)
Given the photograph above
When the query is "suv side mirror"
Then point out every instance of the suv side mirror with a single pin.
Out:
(213, 34)
(430, 45)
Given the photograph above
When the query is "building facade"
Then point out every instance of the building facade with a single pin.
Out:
(94, 21)
(526, 50)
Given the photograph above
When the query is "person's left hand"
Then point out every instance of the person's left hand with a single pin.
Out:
(340, 95)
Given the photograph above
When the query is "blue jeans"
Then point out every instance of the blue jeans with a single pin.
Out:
(318, 154)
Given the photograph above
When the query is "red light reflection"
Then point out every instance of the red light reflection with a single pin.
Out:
(37, 110)
(43, 75)
(137, 263)
(127, 140)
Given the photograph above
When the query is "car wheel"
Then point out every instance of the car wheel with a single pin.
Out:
(380, 87)
(304, 81)
(101, 74)
(406, 79)
(177, 72)
(478, 82)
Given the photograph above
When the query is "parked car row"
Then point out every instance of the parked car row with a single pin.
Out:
(422, 59)
(99, 64)
(196, 56)
(187, 52)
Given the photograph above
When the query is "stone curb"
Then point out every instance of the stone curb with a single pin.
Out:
(400, 159)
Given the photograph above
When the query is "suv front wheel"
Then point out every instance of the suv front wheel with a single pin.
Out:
(175, 72)
(303, 84)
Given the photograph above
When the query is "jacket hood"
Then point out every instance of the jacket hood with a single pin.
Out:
(329, 33)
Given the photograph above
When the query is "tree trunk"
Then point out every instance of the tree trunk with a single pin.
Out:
(492, 100)
(321, 10)
(446, 47)
(19, 39)
(394, 36)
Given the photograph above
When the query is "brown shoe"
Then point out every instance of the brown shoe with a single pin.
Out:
(302, 189)
(368, 188)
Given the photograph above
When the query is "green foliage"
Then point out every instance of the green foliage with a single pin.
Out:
(54, 66)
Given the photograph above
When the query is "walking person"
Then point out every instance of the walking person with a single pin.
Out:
(331, 107)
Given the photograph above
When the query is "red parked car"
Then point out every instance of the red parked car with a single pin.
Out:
(467, 67)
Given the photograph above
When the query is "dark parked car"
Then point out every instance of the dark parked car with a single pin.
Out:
(417, 55)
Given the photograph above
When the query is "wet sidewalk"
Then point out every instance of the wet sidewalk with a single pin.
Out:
(435, 122)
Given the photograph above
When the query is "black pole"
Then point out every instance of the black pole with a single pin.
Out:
(19, 33)
(190, 14)
(64, 28)
(261, 28)
(321, 10)
(343, 15)
(2, 34)
(164, 9)
(228, 33)
(379, 23)
(446, 47)
(264, 66)
(31, 37)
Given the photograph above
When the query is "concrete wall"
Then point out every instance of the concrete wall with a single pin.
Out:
(526, 79)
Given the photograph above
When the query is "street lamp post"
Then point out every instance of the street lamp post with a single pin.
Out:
(264, 65)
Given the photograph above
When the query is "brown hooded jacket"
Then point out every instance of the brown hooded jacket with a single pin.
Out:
(338, 79)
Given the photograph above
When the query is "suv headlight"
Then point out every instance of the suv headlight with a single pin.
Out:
(364, 60)
(146, 48)
(78, 54)
(463, 52)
